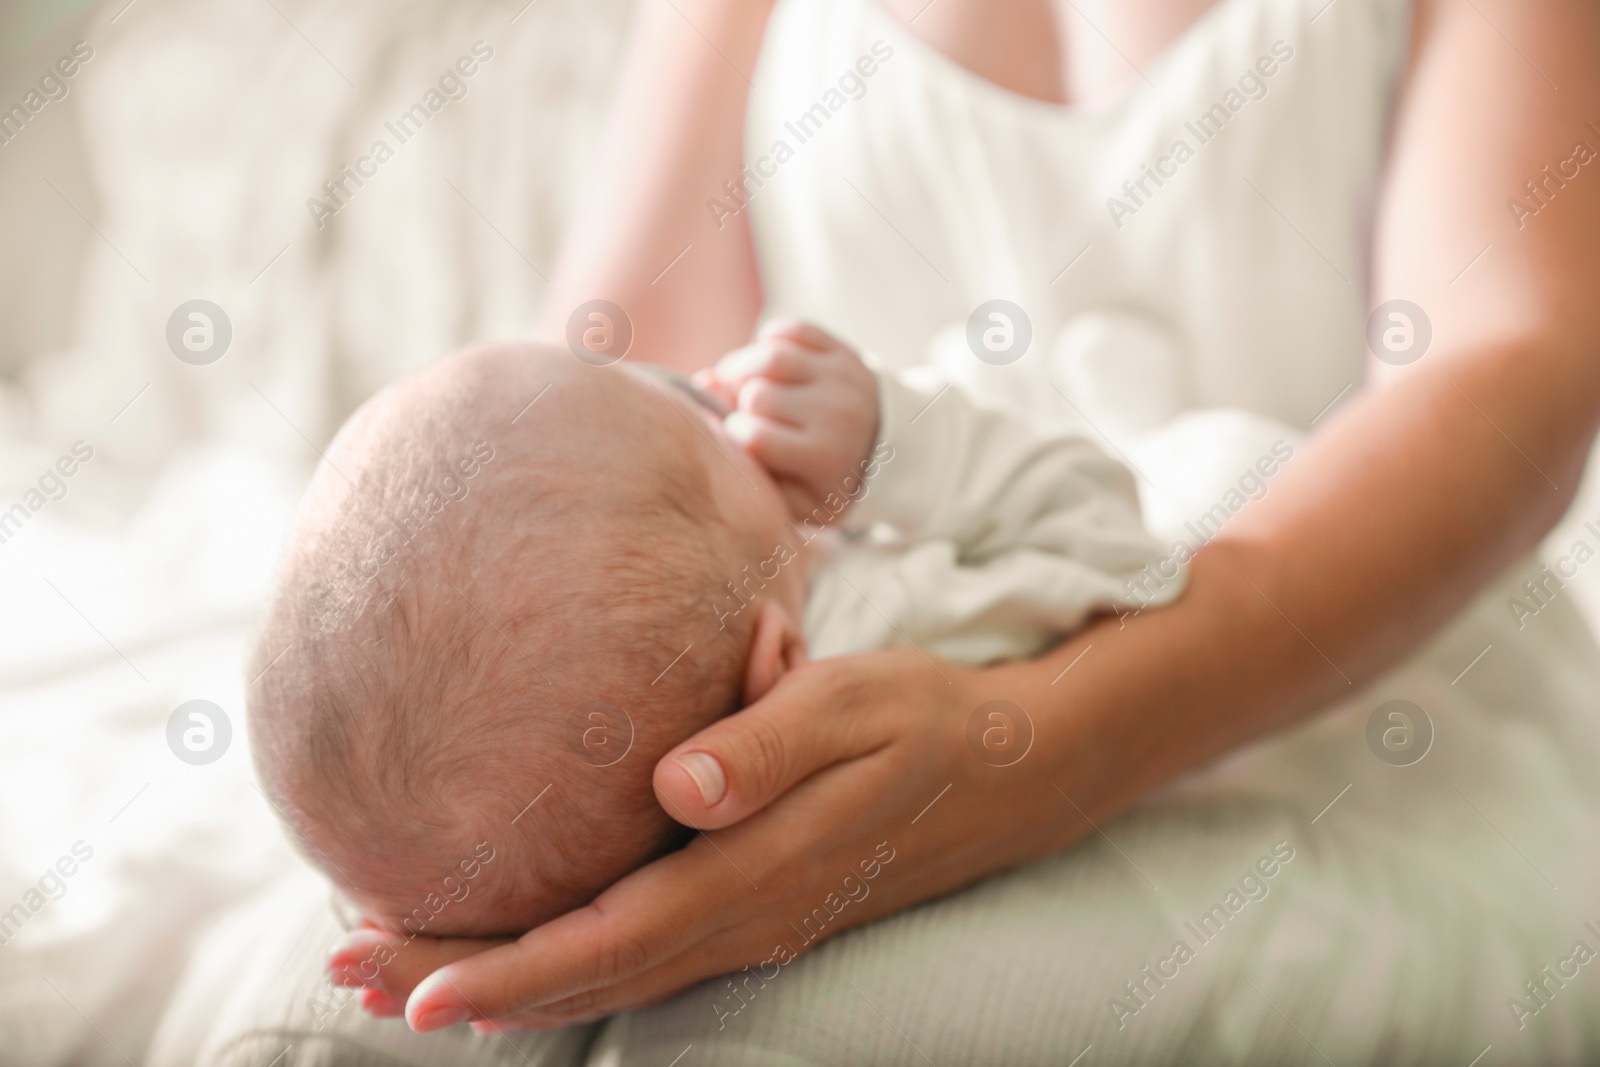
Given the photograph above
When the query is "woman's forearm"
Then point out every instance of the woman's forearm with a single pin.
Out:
(1416, 493)
(644, 237)
(1378, 532)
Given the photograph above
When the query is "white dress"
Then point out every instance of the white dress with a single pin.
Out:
(1419, 907)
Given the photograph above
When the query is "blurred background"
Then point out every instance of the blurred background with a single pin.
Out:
(175, 165)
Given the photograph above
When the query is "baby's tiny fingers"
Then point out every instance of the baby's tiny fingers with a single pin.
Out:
(778, 360)
(768, 399)
(708, 382)
(801, 332)
(782, 449)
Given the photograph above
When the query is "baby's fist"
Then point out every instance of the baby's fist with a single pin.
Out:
(804, 406)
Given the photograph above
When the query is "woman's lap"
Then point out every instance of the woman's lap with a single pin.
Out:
(1416, 902)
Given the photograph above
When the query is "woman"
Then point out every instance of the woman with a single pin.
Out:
(1408, 500)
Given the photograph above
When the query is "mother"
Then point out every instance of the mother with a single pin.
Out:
(978, 164)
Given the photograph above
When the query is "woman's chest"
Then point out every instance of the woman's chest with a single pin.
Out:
(1227, 204)
(1082, 53)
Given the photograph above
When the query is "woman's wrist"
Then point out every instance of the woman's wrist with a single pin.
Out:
(1134, 701)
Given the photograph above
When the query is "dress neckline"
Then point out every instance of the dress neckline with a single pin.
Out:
(902, 36)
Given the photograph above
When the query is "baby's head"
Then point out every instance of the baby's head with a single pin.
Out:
(506, 597)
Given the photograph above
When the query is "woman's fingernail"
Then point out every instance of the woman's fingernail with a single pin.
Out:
(355, 947)
(382, 1004)
(707, 774)
(343, 976)
(440, 1017)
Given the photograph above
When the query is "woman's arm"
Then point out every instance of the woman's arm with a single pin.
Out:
(1430, 483)
(1413, 496)
(675, 135)
(1401, 507)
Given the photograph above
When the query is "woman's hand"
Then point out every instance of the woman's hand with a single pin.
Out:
(851, 792)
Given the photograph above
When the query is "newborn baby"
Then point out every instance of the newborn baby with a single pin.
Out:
(519, 580)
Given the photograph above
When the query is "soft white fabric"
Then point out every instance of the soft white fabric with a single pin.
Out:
(254, 994)
(937, 191)
(995, 535)
(190, 144)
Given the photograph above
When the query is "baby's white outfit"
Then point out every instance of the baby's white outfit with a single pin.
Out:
(980, 535)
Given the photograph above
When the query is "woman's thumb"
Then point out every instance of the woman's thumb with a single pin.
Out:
(737, 766)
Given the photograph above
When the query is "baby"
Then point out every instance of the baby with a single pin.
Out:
(520, 579)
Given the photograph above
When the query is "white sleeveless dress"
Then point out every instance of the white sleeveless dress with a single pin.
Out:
(1420, 909)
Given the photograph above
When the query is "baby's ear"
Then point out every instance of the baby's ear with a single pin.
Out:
(776, 648)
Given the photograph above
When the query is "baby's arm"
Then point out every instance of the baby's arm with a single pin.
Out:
(990, 479)
(1013, 533)
(940, 465)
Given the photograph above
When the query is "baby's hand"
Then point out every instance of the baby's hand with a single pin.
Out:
(804, 406)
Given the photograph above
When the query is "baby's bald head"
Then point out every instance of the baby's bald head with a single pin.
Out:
(477, 611)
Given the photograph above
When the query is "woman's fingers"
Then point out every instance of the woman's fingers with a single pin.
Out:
(640, 991)
(643, 989)
(382, 1005)
(641, 922)
(830, 731)
(737, 766)
(372, 958)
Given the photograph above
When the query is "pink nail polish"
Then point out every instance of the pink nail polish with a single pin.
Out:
(382, 1005)
(355, 948)
(440, 1017)
(341, 975)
